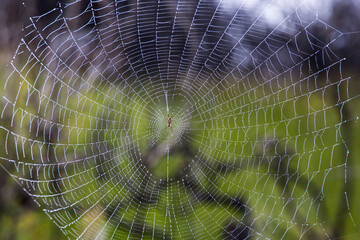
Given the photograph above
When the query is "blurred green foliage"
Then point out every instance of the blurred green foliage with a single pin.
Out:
(265, 132)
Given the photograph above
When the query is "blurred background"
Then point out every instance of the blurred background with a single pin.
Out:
(21, 217)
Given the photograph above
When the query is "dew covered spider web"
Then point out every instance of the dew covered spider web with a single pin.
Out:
(256, 147)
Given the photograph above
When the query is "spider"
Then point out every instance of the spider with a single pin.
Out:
(169, 122)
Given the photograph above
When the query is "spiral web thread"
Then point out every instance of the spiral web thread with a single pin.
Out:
(255, 149)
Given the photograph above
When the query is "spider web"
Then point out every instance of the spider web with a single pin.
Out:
(255, 149)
